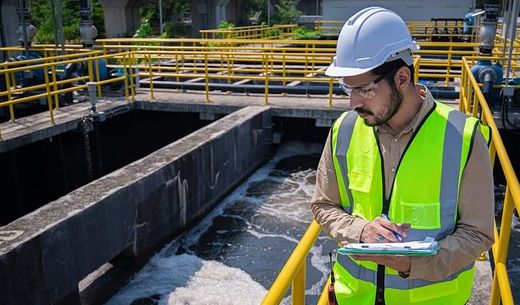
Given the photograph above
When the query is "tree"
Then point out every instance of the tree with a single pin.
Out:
(41, 19)
(286, 12)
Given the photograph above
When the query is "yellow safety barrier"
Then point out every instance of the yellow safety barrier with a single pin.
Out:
(472, 101)
(288, 62)
(277, 31)
(259, 66)
(440, 60)
(294, 271)
(449, 31)
(50, 87)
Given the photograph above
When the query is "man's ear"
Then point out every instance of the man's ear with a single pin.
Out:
(402, 77)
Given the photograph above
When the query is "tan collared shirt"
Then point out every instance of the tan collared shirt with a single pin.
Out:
(474, 230)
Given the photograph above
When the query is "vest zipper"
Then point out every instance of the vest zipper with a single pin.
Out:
(380, 279)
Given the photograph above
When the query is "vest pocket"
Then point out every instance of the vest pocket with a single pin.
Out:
(421, 215)
(359, 181)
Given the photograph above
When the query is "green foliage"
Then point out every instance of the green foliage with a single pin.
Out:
(286, 12)
(144, 30)
(225, 25)
(173, 17)
(274, 33)
(41, 18)
(302, 33)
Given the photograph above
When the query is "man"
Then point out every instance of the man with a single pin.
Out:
(400, 153)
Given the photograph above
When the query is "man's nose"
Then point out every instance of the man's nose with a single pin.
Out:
(355, 100)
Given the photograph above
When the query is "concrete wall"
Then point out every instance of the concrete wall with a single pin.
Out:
(44, 255)
(9, 21)
(121, 17)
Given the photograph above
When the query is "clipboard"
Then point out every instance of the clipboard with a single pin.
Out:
(428, 246)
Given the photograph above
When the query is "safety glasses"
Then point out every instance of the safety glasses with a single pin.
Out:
(366, 91)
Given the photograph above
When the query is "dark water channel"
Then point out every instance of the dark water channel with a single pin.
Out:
(233, 255)
(38, 173)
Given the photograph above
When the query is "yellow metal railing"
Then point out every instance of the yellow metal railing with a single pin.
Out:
(287, 62)
(440, 60)
(229, 66)
(448, 31)
(294, 271)
(472, 102)
(277, 31)
(51, 87)
(328, 27)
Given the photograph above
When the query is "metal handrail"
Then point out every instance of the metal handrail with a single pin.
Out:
(472, 101)
(50, 86)
(294, 271)
(250, 32)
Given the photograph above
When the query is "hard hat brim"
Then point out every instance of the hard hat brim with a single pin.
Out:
(336, 71)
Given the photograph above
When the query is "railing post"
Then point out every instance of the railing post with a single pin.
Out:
(206, 75)
(450, 49)
(133, 83)
(502, 243)
(125, 74)
(48, 91)
(55, 84)
(298, 285)
(150, 76)
(266, 83)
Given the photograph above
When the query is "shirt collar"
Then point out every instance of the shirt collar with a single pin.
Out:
(427, 105)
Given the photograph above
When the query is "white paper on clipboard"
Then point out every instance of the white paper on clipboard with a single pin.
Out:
(428, 246)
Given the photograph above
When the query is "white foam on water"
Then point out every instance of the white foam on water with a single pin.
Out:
(216, 283)
(187, 279)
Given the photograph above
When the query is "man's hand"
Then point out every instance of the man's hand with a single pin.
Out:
(382, 230)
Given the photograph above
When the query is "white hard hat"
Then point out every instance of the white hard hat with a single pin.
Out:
(368, 39)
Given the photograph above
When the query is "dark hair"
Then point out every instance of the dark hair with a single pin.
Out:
(390, 68)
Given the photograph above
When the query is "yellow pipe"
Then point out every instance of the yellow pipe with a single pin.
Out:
(47, 90)
(298, 285)
(505, 288)
(125, 74)
(150, 76)
(55, 84)
(285, 277)
(206, 77)
(324, 297)
(266, 82)
(132, 85)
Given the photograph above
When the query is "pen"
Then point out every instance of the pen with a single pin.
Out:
(397, 235)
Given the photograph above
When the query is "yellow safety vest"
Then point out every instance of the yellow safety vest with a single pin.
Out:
(424, 193)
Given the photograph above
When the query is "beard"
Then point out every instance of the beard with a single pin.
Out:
(388, 111)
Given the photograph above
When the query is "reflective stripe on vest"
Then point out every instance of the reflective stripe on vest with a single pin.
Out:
(342, 142)
(391, 280)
